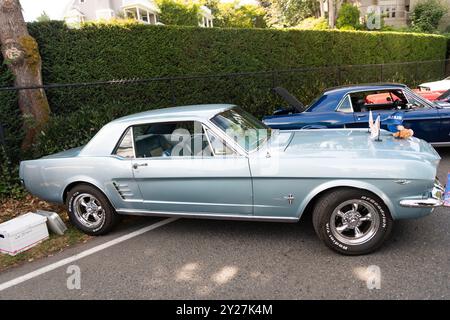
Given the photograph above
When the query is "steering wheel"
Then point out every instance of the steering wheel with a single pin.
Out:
(398, 104)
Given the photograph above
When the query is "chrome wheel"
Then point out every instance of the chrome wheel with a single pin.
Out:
(88, 210)
(354, 222)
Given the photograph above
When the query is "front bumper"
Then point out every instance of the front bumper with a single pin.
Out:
(435, 198)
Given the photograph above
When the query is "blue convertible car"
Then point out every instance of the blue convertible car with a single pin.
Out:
(349, 106)
(218, 161)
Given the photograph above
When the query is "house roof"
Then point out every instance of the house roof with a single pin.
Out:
(143, 4)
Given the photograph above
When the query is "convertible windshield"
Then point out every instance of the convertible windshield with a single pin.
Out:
(243, 128)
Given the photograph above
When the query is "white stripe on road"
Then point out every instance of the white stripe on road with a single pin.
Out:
(83, 254)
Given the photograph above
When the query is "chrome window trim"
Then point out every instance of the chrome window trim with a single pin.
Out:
(205, 215)
(236, 146)
(347, 95)
(206, 128)
(404, 90)
(209, 141)
(132, 141)
(241, 151)
(119, 142)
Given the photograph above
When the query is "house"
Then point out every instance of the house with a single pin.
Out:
(396, 13)
(206, 17)
(80, 11)
(145, 11)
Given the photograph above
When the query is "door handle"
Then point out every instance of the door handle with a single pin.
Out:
(137, 165)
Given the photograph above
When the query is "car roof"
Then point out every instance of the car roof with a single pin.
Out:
(205, 111)
(362, 87)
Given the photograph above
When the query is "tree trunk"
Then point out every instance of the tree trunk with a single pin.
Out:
(331, 13)
(322, 8)
(20, 52)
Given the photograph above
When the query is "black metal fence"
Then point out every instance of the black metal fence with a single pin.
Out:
(80, 109)
(305, 82)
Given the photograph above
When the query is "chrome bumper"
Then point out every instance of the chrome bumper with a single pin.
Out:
(435, 198)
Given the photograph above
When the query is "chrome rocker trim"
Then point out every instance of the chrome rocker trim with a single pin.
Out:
(205, 215)
(435, 199)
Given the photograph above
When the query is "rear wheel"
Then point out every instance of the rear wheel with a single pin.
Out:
(352, 221)
(90, 210)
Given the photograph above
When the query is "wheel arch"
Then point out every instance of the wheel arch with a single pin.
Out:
(309, 201)
(70, 185)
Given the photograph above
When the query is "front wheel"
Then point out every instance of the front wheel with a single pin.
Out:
(352, 221)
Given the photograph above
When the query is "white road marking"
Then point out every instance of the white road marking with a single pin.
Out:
(83, 254)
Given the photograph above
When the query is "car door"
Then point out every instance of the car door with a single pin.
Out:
(444, 132)
(424, 119)
(178, 171)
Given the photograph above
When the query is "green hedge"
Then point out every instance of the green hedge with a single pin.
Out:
(106, 52)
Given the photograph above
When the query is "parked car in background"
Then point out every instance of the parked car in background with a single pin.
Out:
(218, 161)
(441, 85)
(430, 95)
(349, 106)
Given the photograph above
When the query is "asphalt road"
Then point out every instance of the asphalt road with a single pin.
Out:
(207, 259)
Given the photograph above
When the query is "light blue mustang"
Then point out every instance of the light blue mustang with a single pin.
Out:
(217, 161)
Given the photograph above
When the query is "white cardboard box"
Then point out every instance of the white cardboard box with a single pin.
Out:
(22, 233)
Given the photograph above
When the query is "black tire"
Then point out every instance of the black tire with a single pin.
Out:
(328, 218)
(109, 217)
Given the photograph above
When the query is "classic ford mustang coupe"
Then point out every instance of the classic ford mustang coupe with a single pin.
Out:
(349, 107)
(218, 161)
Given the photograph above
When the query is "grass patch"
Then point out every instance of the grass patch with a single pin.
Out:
(10, 208)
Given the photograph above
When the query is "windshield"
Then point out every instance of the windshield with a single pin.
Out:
(418, 101)
(243, 128)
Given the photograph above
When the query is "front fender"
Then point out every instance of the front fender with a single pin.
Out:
(345, 183)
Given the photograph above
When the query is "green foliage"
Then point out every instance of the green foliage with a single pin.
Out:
(110, 51)
(426, 16)
(9, 176)
(289, 13)
(177, 12)
(44, 17)
(232, 15)
(313, 24)
(348, 17)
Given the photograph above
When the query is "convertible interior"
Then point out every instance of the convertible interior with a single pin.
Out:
(378, 100)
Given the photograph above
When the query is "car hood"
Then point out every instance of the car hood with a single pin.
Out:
(436, 85)
(442, 104)
(352, 143)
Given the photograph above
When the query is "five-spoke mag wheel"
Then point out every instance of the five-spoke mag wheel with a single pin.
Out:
(90, 210)
(354, 222)
(351, 221)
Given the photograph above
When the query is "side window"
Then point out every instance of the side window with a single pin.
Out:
(170, 139)
(125, 147)
(218, 146)
(378, 100)
(346, 105)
